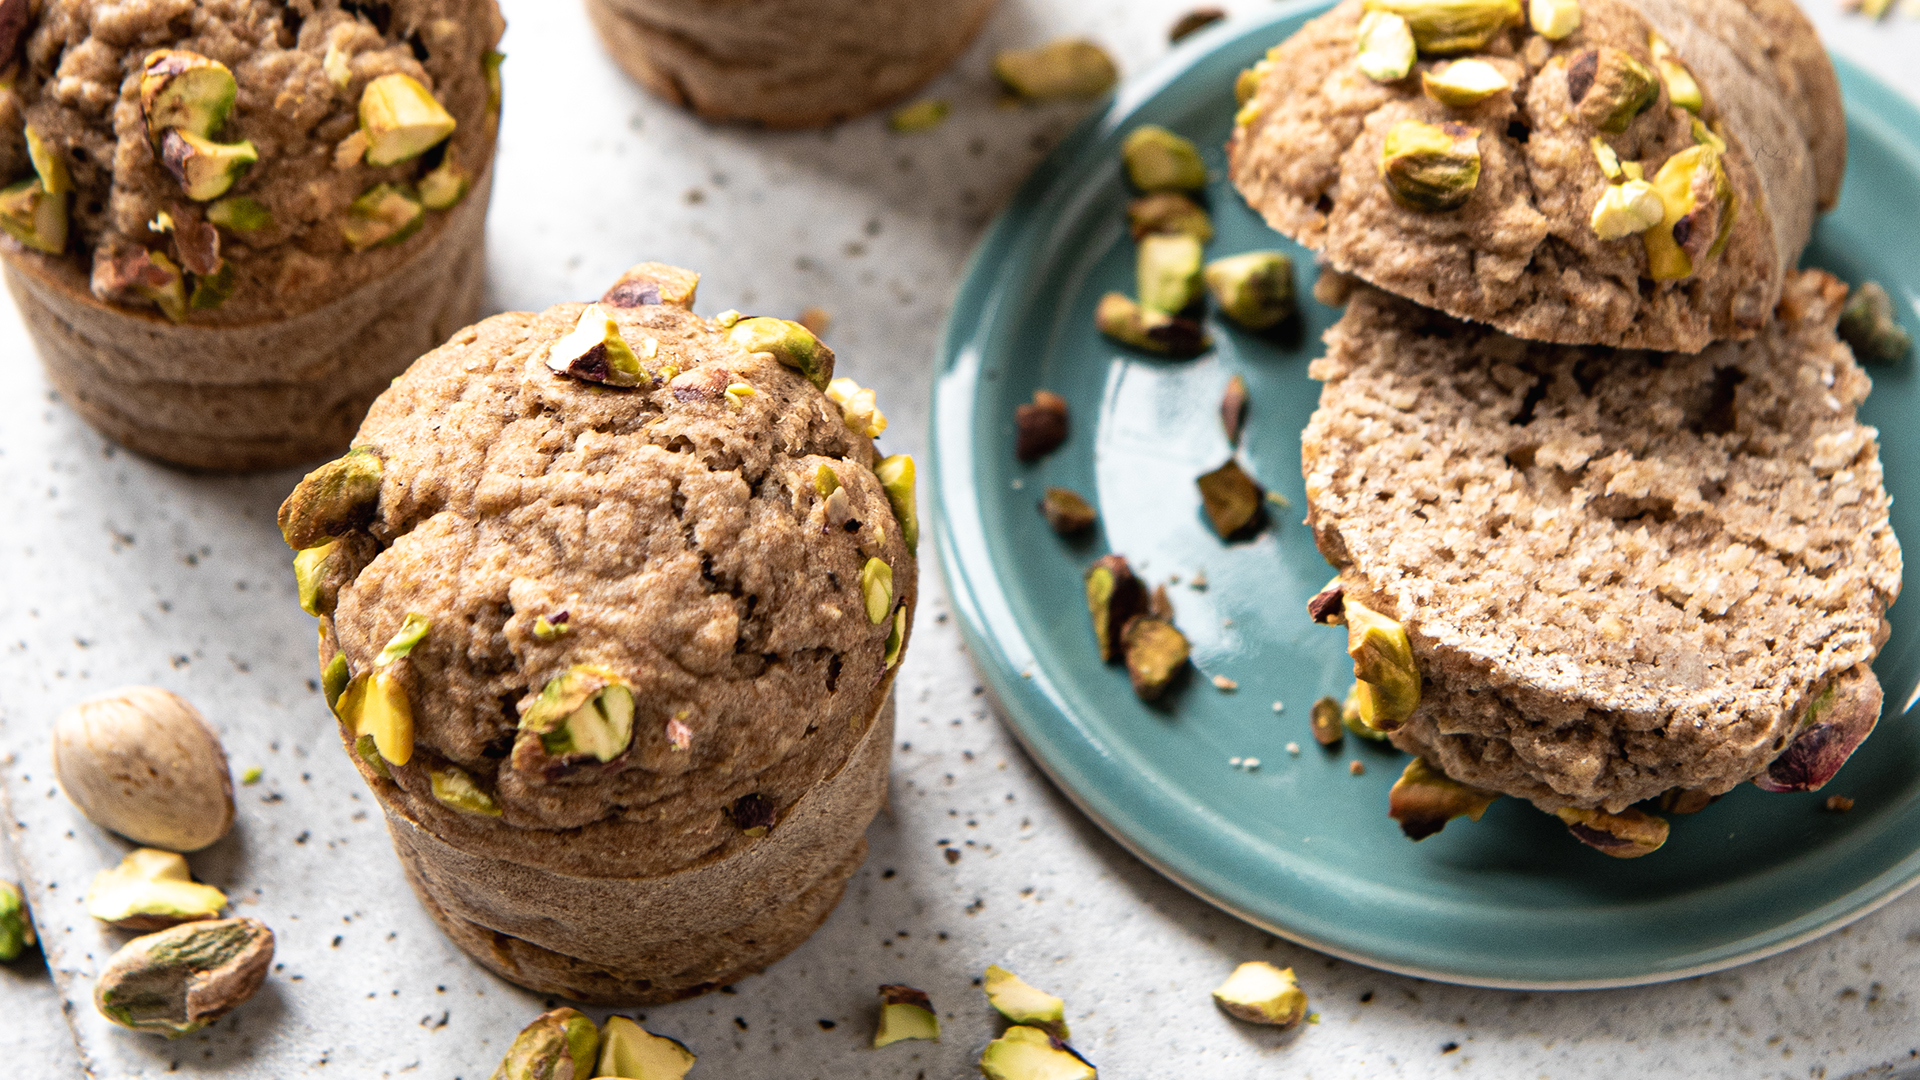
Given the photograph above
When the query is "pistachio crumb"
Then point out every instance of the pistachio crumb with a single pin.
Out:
(1356, 767)
(1221, 682)
(1838, 804)
(1293, 748)
(252, 776)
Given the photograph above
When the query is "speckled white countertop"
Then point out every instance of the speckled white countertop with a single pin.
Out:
(114, 571)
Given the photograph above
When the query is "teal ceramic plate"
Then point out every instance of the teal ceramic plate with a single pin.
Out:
(1301, 846)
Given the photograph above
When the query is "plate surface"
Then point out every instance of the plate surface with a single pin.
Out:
(1300, 846)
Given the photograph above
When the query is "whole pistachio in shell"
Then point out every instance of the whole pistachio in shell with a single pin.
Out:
(143, 763)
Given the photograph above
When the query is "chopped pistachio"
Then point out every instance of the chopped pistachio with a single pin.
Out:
(1193, 22)
(335, 66)
(825, 481)
(1254, 289)
(788, 342)
(204, 168)
(1602, 153)
(1325, 718)
(1114, 597)
(1125, 321)
(178, 981)
(896, 479)
(369, 752)
(1039, 427)
(595, 351)
(447, 184)
(16, 927)
(132, 274)
(1232, 500)
(1626, 210)
(454, 787)
(858, 409)
(35, 218)
(1233, 407)
(1383, 46)
(212, 290)
(490, 67)
(1869, 326)
(1168, 213)
(1261, 993)
(558, 1044)
(1328, 607)
(876, 589)
(649, 283)
(1068, 68)
(310, 567)
(1463, 83)
(1452, 26)
(1682, 89)
(1554, 19)
(350, 151)
(1066, 512)
(402, 119)
(1389, 678)
(375, 704)
(47, 163)
(1350, 717)
(1159, 160)
(1028, 1053)
(1706, 136)
(252, 775)
(1168, 271)
(1424, 799)
(629, 1050)
(896, 638)
(919, 116)
(185, 91)
(1024, 1003)
(1633, 170)
(1431, 167)
(386, 215)
(333, 680)
(585, 712)
(554, 628)
(1609, 88)
(333, 499)
(413, 630)
(1700, 211)
(905, 1013)
(151, 890)
(1156, 653)
(1678, 800)
(1628, 834)
(1247, 83)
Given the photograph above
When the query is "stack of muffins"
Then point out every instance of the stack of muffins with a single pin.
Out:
(1607, 529)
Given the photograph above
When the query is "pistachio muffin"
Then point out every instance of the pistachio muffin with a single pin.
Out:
(785, 63)
(611, 598)
(1590, 578)
(228, 225)
(1633, 173)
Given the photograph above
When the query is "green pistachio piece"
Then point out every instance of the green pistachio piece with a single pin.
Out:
(629, 1050)
(595, 351)
(151, 890)
(1156, 653)
(204, 168)
(1325, 720)
(825, 481)
(1247, 83)
(1609, 88)
(1028, 1053)
(1389, 678)
(413, 630)
(375, 704)
(1254, 289)
(896, 638)
(1554, 19)
(369, 752)
(34, 217)
(896, 478)
(385, 215)
(1159, 160)
(876, 589)
(919, 116)
(401, 119)
(1700, 211)
(790, 343)
(1431, 167)
(1260, 993)
(240, 214)
(212, 290)
(1023, 1003)
(1383, 46)
(554, 628)
(858, 409)
(1424, 799)
(446, 184)
(1682, 89)
(905, 1013)
(310, 573)
(490, 67)
(134, 274)
(1452, 26)
(1706, 136)
(1234, 502)
(333, 681)
(1168, 212)
(1628, 834)
(1627, 210)
(560, 1045)
(455, 788)
(1068, 68)
(1868, 324)
(16, 927)
(1632, 170)
(185, 91)
(178, 981)
(1609, 161)
(1463, 83)
(1167, 268)
(1125, 321)
(332, 500)
(47, 163)
(1350, 717)
(1114, 597)
(1066, 512)
(584, 713)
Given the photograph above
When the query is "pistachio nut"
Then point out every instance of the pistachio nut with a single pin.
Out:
(454, 788)
(212, 290)
(1605, 156)
(559, 1045)
(369, 751)
(876, 589)
(184, 91)
(143, 763)
(1684, 800)
(1868, 324)
(33, 216)
(1254, 289)
(1633, 170)
(1554, 19)
(129, 274)
(858, 409)
(1325, 718)
(445, 184)
(1432, 167)
(1463, 83)
(1700, 211)
(374, 705)
(1389, 679)
(1128, 323)
(1233, 401)
(47, 163)
(385, 215)
(1452, 26)
(204, 168)
(552, 628)
(584, 713)
(1682, 89)
(1167, 268)
(1706, 136)
(180, 980)
(1350, 717)
(1626, 210)
(1328, 607)
(333, 681)
(1068, 68)
(1609, 88)
(1833, 727)
(1040, 426)
(1424, 799)
(594, 351)
(1114, 597)
(629, 1050)
(905, 1013)
(490, 68)
(651, 283)
(919, 116)
(1260, 993)
(310, 567)
(1383, 46)
(240, 214)
(896, 639)
(336, 67)
(1156, 654)
(401, 119)
(1628, 834)
(16, 926)
(1234, 502)
(896, 479)
(1158, 160)
(1168, 212)
(332, 500)
(1028, 1053)
(1247, 83)
(1023, 1003)
(151, 890)
(1066, 512)
(790, 343)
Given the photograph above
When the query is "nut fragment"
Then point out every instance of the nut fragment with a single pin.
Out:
(1835, 804)
(1627, 210)
(151, 890)
(1156, 654)
(1554, 19)
(1193, 22)
(1167, 269)
(1869, 326)
(178, 981)
(385, 215)
(16, 926)
(1682, 89)
(1023, 1003)
(333, 681)
(310, 573)
(1463, 83)
(919, 116)
(1159, 160)
(1383, 46)
(1325, 718)
(582, 714)
(594, 351)
(1424, 799)
(1452, 26)
(629, 1050)
(1067, 512)
(1628, 834)
(1431, 167)
(1254, 289)
(1609, 88)
(1119, 318)
(33, 216)
(127, 274)
(446, 184)
(204, 168)
(47, 162)
(1233, 408)
(143, 763)
(896, 639)
(455, 788)
(1350, 717)
(185, 91)
(905, 1013)
(1040, 427)
(1835, 725)
(402, 119)
(490, 69)
(1700, 211)
(552, 628)
(332, 500)
(1028, 1053)
(559, 1045)
(1389, 679)
(858, 409)
(374, 703)
(1684, 801)
(1114, 597)
(240, 214)
(1234, 503)
(1068, 68)
(1260, 993)
(876, 589)
(653, 283)
(1168, 212)
(788, 342)
(1328, 606)
(1604, 154)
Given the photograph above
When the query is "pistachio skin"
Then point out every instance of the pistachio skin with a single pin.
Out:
(1424, 799)
(562, 1044)
(1442, 27)
(1628, 834)
(1114, 597)
(332, 500)
(1700, 211)
(178, 981)
(1432, 168)
(1609, 88)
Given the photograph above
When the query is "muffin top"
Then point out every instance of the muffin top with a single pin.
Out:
(230, 162)
(709, 553)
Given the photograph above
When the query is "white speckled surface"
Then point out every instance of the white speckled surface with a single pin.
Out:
(113, 571)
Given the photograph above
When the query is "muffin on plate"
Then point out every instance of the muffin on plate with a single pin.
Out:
(785, 63)
(1590, 578)
(1634, 173)
(611, 600)
(229, 225)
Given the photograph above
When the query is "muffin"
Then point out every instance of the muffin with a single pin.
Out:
(229, 225)
(611, 599)
(1646, 179)
(785, 63)
(1607, 576)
